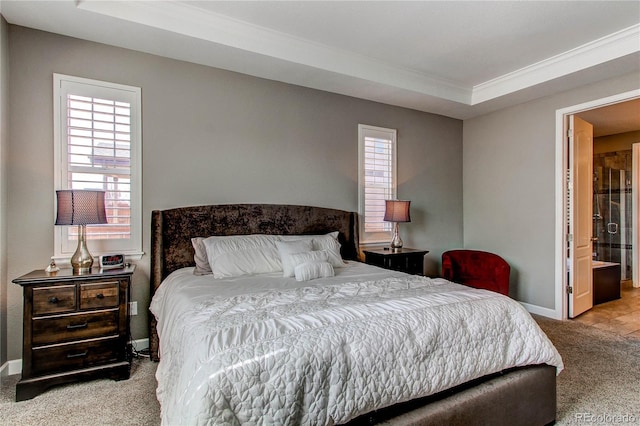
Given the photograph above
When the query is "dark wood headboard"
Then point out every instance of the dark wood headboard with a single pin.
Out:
(172, 230)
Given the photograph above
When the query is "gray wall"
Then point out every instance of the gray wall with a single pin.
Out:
(509, 185)
(4, 85)
(212, 136)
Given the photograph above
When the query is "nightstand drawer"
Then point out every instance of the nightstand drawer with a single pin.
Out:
(53, 300)
(53, 359)
(68, 328)
(99, 295)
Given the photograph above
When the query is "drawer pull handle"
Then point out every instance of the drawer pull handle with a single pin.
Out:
(53, 299)
(80, 355)
(100, 296)
(76, 326)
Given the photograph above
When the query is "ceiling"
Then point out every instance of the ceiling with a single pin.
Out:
(613, 119)
(456, 58)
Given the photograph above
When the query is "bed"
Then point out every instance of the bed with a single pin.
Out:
(219, 340)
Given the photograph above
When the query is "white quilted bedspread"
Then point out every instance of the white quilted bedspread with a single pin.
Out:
(324, 354)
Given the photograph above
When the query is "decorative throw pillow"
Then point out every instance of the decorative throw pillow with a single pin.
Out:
(312, 256)
(286, 248)
(323, 242)
(331, 244)
(310, 270)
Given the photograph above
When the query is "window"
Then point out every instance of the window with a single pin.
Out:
(377, 181)
(97, 136)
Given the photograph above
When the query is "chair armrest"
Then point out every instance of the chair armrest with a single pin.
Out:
(502, 279)
(447, 268)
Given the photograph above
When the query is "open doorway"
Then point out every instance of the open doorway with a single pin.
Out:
(598, 112)
(616, 129)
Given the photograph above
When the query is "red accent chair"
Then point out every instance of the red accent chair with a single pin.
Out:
(477, 269)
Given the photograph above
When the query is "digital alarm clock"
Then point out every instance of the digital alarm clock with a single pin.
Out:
(112, 261)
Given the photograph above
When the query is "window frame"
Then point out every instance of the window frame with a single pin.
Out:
(64, 246)
(367, 131)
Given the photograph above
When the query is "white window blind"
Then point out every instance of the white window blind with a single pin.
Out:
(99, 157)
(98, 147)
(377, 181)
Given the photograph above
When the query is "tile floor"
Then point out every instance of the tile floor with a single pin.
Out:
(621, 316)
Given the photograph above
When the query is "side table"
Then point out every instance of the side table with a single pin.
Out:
(406, 260)
(75, 327)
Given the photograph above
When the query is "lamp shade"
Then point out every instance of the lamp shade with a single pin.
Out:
(397, 211)
(80, 207)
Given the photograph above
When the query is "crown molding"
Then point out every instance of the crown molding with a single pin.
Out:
(186, 19)
(186, 32)
(610, 47)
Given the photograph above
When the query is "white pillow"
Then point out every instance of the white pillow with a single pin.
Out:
(200, 257)
(312, 256)
(323, 242)
(330, 243)
(333, 235)
(286, 248)
(232, 256)
(309, 270)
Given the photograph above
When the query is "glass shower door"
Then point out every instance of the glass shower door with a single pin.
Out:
(612, 218)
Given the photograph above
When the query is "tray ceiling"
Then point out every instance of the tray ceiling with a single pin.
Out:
(459, 59)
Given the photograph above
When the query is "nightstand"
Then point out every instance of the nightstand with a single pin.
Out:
(406, 260)
(76, 327)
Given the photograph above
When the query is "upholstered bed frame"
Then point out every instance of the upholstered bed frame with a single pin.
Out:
(523, 396)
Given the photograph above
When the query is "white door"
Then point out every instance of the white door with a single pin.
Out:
(581, 216)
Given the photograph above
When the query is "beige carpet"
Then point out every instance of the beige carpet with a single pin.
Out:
(601, 380)
(98, 402)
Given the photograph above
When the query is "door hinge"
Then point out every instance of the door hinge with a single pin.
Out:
(569, 289)
(569, 238)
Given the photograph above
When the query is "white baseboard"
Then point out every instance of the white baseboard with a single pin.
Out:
(539, 310)
(11, 367)
(14, 366)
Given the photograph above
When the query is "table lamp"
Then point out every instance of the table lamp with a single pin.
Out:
(81, 208)
(396, 211)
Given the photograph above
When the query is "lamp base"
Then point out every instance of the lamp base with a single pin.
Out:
(81, 261)
(396, 241)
